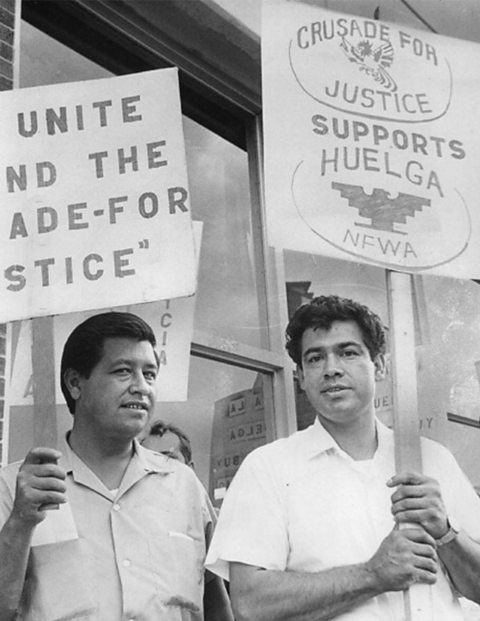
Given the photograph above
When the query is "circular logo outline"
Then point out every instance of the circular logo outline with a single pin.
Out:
(366, 114)
(377, 262)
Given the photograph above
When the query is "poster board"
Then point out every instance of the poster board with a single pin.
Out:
(95, 199)
(371, 156)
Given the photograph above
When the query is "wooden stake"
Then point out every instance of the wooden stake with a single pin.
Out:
(43, 367)
(408, 456)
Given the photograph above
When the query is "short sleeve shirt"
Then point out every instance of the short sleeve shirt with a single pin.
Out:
(303, 504)
(139, 554)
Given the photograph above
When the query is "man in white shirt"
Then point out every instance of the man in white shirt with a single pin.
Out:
(309, 526)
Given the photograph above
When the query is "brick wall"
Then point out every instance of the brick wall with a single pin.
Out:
(8, 23)
(7, 29)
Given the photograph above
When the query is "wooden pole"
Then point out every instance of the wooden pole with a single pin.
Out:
(43, 367)
(408, 456)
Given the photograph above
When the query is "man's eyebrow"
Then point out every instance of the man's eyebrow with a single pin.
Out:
(131, 361)
(350, 344)
(313, 350)
(342, 345)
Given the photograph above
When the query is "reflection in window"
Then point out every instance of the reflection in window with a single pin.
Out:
(452, 350)
(227, 303)
(43, 60)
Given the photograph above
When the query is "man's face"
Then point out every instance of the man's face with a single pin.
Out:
(338, 374)
(168, 444)
(119, 396)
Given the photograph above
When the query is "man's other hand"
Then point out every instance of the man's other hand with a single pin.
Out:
(405, 557)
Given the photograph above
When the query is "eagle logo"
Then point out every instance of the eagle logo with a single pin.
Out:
(382, 210)
(373, 61)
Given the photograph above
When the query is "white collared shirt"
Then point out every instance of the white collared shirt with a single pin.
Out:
(303, 504)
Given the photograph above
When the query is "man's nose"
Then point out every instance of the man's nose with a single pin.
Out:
(139, 384)
(332, 366)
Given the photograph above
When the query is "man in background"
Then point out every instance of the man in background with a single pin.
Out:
(105, 530)
(169, 440)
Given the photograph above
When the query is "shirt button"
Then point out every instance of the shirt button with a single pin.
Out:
(116, 507)
(126, 563)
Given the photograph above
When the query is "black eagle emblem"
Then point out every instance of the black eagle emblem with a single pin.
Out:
(373, 61)
(382, 210)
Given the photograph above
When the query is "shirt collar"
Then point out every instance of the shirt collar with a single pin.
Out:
(143, 462)
(316, 440)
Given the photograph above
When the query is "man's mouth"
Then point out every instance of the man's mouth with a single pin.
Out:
(136, 405)
(334, 389)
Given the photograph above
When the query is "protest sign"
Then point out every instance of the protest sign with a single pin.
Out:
(95, 203)
(370, 156)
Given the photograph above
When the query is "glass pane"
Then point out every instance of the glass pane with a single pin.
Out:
(451, 347)
(227, 302)
(43, 60)
(228, 414)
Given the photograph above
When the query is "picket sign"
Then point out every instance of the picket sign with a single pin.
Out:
(408, 456)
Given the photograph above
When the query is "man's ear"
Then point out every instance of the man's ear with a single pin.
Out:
(301, 376)
(380, 367)
(71, 377)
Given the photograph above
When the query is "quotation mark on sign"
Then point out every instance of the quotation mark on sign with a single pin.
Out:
(144, 243)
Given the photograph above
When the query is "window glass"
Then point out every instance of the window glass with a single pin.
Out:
(227, 303)
(43, 60)
(451, 348)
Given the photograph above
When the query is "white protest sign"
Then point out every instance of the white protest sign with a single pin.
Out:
(370, 148)
(95, 207)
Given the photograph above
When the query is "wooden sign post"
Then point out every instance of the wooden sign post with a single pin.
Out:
(43, 367)
(408, 456)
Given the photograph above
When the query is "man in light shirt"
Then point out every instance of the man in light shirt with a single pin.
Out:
(309, 528)
(105, 530)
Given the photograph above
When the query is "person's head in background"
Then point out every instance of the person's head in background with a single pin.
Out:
(170, 441)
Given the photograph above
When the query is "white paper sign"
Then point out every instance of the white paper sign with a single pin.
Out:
(371, 148)
(95, 208)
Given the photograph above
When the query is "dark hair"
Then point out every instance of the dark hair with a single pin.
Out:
(322, 311)
(83, 349)
(160, 428)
